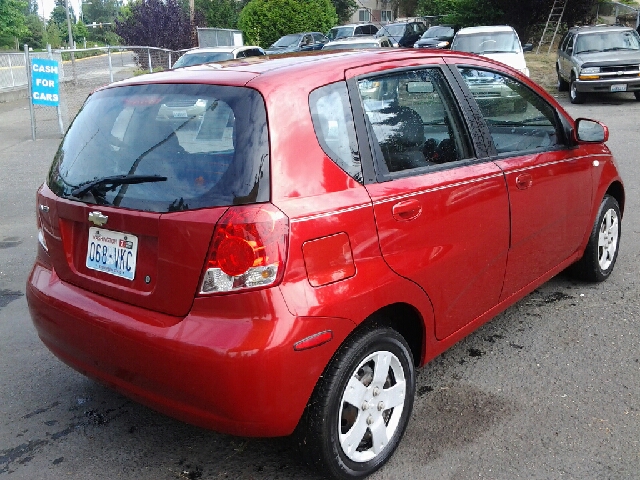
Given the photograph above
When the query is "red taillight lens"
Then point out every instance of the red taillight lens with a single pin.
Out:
(248, 250)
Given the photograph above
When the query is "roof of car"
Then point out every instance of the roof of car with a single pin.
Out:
(323, 66)
(599, 28)
(223, 49)
(356, 39)
(485, 29)
(352, 25)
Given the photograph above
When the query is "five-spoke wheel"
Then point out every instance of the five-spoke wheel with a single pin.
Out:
(361, 405)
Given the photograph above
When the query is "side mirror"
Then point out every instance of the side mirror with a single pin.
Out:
(527, 47)
(590, 131)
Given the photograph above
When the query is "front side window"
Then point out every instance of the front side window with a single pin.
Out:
(518, 119)
(334, 127)
(413, 120)
(164, 148)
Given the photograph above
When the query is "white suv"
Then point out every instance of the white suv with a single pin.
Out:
(499, 43)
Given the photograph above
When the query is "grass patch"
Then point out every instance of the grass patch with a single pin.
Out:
(542, 70)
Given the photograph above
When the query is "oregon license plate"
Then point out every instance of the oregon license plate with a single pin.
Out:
(619, 88)
(112, 252)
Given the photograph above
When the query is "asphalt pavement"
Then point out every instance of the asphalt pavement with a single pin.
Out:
(550, 389)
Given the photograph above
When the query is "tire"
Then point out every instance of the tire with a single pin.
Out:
(574, 95)
(637, 95)
(601, 253)
(563, 85)
(349, 428)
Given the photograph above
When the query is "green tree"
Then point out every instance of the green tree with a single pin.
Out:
(344, 9)
(36, 34)
(54, 35)
(12, 21)
(264, 21)
(220, 13)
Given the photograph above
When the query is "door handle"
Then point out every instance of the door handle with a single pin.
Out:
(406, 210)
(524, 181)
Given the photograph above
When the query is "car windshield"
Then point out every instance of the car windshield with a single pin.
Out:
(351, 45)
(200, 58)
(338, 32)
(287, 41)
(164, 148)
(487, 42)
(393, 30)
(438, 31)
(607, 41)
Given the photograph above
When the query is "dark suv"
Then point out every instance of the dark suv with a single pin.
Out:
(597, 60)
(402, 34)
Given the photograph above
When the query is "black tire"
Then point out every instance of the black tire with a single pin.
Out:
(637, 95)
(329, 417)
(563, 85)
(601, 253)
(574, 95)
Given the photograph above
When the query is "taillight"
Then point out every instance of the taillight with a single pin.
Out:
(248, 249)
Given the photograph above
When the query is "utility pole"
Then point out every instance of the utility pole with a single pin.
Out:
(66, 3)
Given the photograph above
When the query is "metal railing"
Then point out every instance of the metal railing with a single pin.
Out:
(81, 71)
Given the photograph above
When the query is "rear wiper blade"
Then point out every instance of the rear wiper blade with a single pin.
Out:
(110, 183)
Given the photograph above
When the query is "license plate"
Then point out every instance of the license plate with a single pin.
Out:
(619, 88)
(112, 252)
(179, 114)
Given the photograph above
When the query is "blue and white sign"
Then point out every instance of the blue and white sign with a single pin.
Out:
(44, 86)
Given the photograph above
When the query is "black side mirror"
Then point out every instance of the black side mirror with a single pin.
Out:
(527, 47)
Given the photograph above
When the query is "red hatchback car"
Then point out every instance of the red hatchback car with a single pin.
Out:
(272, 247)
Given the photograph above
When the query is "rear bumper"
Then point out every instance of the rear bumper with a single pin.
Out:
(229, 365)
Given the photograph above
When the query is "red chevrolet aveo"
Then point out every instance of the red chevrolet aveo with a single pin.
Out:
(271, 248)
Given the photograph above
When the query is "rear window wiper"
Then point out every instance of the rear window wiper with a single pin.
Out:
(110, 183)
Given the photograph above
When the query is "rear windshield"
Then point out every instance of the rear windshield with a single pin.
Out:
(487, 42)
(200, 58)
(438, 31)
(164, 148)
(339, 32)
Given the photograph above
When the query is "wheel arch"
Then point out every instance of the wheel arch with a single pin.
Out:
(617, 191)
(404, 319)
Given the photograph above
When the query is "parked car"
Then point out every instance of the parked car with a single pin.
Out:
(352, 30)
(298, 42)
(599, 59)
(197, 56)
(499, 43)
(402, 34)
(438, 36)
(281, 263)
(364, 41)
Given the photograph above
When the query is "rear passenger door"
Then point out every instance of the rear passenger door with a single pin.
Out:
(442, 212)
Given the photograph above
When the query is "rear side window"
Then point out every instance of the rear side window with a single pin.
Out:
(164, 148)
(333, 124)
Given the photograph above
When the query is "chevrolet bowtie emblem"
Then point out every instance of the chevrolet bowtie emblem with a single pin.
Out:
(97, 218)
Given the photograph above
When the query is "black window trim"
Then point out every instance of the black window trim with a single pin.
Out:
(373, 165)
(492, 153)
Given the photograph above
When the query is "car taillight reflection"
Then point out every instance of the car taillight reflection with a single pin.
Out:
(248, 250)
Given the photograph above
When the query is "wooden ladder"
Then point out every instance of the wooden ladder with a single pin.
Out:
(553, 23)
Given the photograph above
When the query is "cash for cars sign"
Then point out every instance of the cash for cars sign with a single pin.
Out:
(44, 86)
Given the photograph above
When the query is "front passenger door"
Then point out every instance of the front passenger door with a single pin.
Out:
(550, 184)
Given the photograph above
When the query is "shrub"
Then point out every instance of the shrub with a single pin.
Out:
(265, 21)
